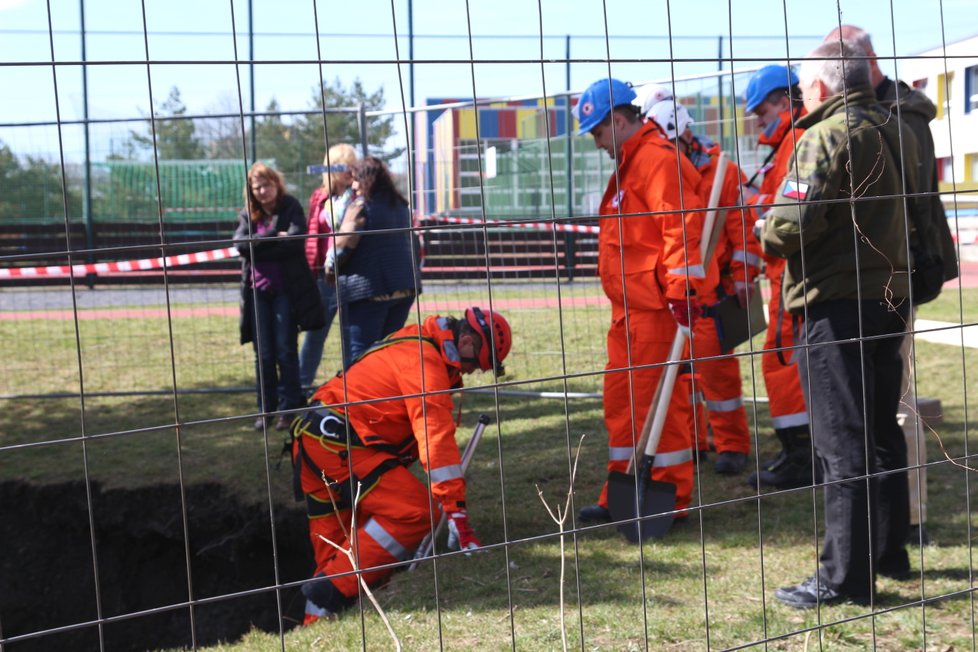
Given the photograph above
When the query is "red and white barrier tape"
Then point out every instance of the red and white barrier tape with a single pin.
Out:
(115, 268)
(52, 271)
(532, 226)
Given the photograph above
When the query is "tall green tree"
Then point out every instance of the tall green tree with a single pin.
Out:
(176, 137)
(302, 141)
(275, 140)
(33, 189)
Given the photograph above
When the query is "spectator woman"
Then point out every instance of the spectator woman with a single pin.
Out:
(326, 207)
(278, 294)
(375, 265)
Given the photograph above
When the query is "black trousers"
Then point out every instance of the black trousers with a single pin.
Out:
(851, 372)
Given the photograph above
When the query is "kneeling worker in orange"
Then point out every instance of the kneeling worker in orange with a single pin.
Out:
(650, 268)
(364, 428)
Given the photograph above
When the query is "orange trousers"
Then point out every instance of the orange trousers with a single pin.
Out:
(393, 516)
(628, 391)
(786, 402)
(718, 380)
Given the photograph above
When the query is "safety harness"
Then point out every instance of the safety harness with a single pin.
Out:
(333, 432)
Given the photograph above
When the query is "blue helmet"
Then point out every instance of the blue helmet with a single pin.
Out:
(767, 80)
(596, 102)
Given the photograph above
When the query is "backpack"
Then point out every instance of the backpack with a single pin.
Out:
(931, 241)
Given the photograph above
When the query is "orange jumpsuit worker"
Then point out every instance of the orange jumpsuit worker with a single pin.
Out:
(774, 97)
(738, 256)
(649, 265)
(373, 443)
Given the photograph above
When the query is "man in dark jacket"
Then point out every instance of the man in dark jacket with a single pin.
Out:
(840, 221)
(916, 111)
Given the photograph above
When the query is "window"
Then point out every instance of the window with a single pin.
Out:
(970, 89)
(970, 165)
(944, 84)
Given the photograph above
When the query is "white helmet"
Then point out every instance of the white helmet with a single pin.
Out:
(672, 118)
(649, 95)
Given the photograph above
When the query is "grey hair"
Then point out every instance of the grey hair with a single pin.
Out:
(855, 35)
(840, 65)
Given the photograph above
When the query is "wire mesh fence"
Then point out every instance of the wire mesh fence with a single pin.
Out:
(144, 510)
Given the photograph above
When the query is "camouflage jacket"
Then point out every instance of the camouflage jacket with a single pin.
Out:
(839, 218)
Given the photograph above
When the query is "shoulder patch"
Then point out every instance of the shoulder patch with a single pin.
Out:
(795, 189)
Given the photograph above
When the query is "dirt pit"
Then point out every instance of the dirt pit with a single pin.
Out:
(48, 579)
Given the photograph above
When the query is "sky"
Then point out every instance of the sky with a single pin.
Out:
(485, 48)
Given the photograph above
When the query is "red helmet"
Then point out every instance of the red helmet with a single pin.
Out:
(485, 322)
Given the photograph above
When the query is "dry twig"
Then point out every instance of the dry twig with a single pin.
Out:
(351, 555)
(560, 518)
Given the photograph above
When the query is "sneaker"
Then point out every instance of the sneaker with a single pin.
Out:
(812, 593)
(594, 514)
(282, 423)
(730, 463)
(260, 423)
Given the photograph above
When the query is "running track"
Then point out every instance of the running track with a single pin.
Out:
(429, 303)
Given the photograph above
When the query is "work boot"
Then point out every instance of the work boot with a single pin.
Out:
(730, 463)
(594, 514)
(793, 466)
(772, 463)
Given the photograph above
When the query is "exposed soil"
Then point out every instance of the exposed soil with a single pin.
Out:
(47, 577)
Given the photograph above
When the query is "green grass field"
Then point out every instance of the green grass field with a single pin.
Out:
(709, 583)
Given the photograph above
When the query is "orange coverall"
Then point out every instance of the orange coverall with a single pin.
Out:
(738, 256)
(394, 511)
(659, 255)
(786, 402)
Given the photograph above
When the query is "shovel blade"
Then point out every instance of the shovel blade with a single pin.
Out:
(655, 501)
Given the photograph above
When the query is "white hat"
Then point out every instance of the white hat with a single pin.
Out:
(672, 118)
(649, 95)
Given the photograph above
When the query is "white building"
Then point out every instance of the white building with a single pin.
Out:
(949, 77)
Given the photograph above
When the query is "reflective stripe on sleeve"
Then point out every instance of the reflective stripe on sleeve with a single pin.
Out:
(730, 405)
(443, 473)
(746, 257)
(790, 420)
(673, 458)
(384, 538)
(693, 271)
(619, 453)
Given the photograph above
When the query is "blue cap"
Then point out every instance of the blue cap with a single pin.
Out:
(767, 80)
(597, 102)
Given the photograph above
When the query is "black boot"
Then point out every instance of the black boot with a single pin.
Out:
(793, 466)
(594, 514)
(774, 462)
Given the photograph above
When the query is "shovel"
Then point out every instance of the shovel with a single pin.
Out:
(637, 496)
(424, 549)
(640, 505)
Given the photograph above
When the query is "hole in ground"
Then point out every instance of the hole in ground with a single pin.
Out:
(47, 578)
